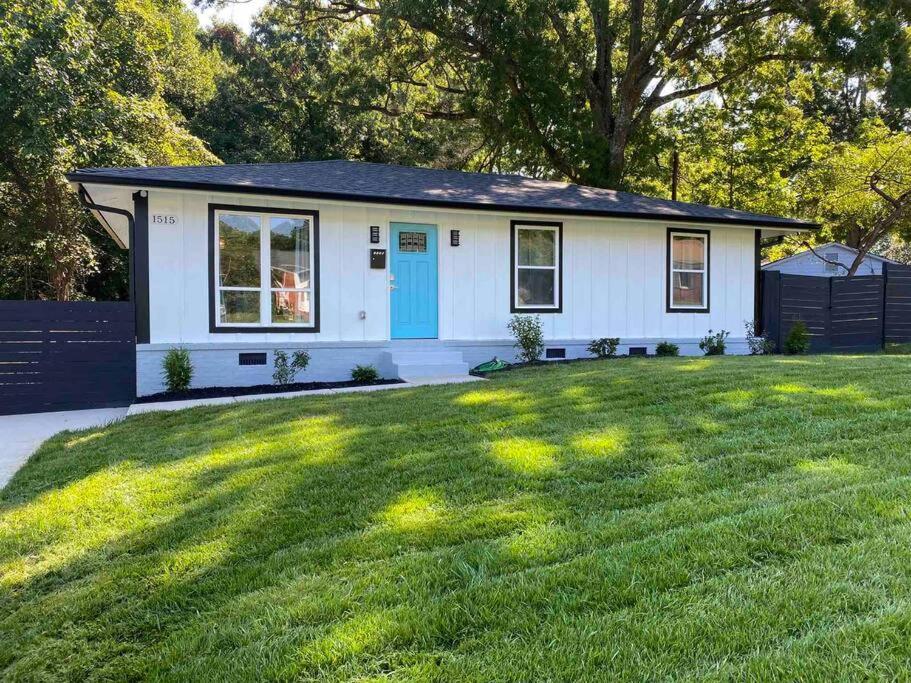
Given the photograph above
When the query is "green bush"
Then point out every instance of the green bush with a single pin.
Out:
(665, 348)
(285, 371)
(177, 369)
(798, 339)
(529, 337)
(364, 373)
(605, 347)
(714, 344)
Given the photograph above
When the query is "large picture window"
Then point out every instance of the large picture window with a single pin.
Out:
(688, 271)
(537, 267)
(264, 271)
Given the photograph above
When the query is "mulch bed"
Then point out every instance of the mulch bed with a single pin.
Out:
(221, 392)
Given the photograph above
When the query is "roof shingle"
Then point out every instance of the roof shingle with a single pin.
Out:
(404, 185)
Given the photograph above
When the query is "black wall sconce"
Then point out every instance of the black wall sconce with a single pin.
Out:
(374, 234)
(453, 238)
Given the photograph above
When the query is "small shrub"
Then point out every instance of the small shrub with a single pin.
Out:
(177, 369)
(364, 373)
(285, 371)
(759, 345)
(605, 347)
(529, 337)
(798, 339)
(714, 344)
(665, 348)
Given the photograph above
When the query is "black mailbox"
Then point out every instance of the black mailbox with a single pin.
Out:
(378, 258)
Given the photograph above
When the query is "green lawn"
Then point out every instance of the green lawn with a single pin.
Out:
(651, 518)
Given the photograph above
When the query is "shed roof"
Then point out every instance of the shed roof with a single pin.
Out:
(821, 247)
(411, 186)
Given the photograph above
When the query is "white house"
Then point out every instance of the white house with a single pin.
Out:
(416, 271)
(829, 260)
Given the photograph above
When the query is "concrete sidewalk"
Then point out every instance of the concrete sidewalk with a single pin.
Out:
(20, 435)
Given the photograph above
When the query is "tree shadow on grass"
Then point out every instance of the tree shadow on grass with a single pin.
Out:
(390, 532)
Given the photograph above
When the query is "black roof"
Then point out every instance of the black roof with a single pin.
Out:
(410, 186)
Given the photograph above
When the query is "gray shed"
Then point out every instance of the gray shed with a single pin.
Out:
(808, 263)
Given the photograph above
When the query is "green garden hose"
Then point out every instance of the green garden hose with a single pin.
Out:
(491, 365)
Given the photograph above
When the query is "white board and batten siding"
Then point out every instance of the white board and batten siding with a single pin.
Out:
(614, 285)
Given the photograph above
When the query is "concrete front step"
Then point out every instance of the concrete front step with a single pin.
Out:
(408, 363)
(407, 370)
(429, 357)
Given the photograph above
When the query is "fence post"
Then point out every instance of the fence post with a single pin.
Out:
(885, 301)
(771, 306)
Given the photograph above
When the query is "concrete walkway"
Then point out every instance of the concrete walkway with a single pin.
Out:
(20, 435)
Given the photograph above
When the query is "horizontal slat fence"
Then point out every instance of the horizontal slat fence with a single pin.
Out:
(898, 304)
(856, 313)
(842, 313)
(66, 355)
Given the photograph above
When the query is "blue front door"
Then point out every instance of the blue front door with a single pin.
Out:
(413, 267)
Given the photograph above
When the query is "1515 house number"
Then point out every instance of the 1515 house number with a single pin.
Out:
(163, 219)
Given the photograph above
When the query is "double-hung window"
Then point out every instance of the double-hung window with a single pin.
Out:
(688, 271)
(264, 269)
(537, 267)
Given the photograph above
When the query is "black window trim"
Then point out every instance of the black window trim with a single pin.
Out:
(708, 270)
(513, 308)
(259, 329)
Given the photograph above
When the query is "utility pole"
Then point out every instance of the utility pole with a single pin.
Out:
(675, 173)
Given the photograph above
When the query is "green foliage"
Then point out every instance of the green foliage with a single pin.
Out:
(364, 373)
(177, 369)
(571, 90)
(529, 338)
(666, 348)
(86, 84)
(714, 344)
(851, 187)
(759, 345)
(605, 347)
(284, 371)
(798, 339)
(294, 91)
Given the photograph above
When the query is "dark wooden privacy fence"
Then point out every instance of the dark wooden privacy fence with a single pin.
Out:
(898, 304)
(841, 313)
(66, 355)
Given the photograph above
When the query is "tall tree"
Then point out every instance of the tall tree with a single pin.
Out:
(84, 84)
(861, 191)
(274, 102)
(566, 86)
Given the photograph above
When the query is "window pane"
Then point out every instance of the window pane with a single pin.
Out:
(238, 250)
(289, 240)
(687, 289)
(291, 307)
(537, 247)
(239, 307)
(536, 287)
(415, 242)
(689, 253)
